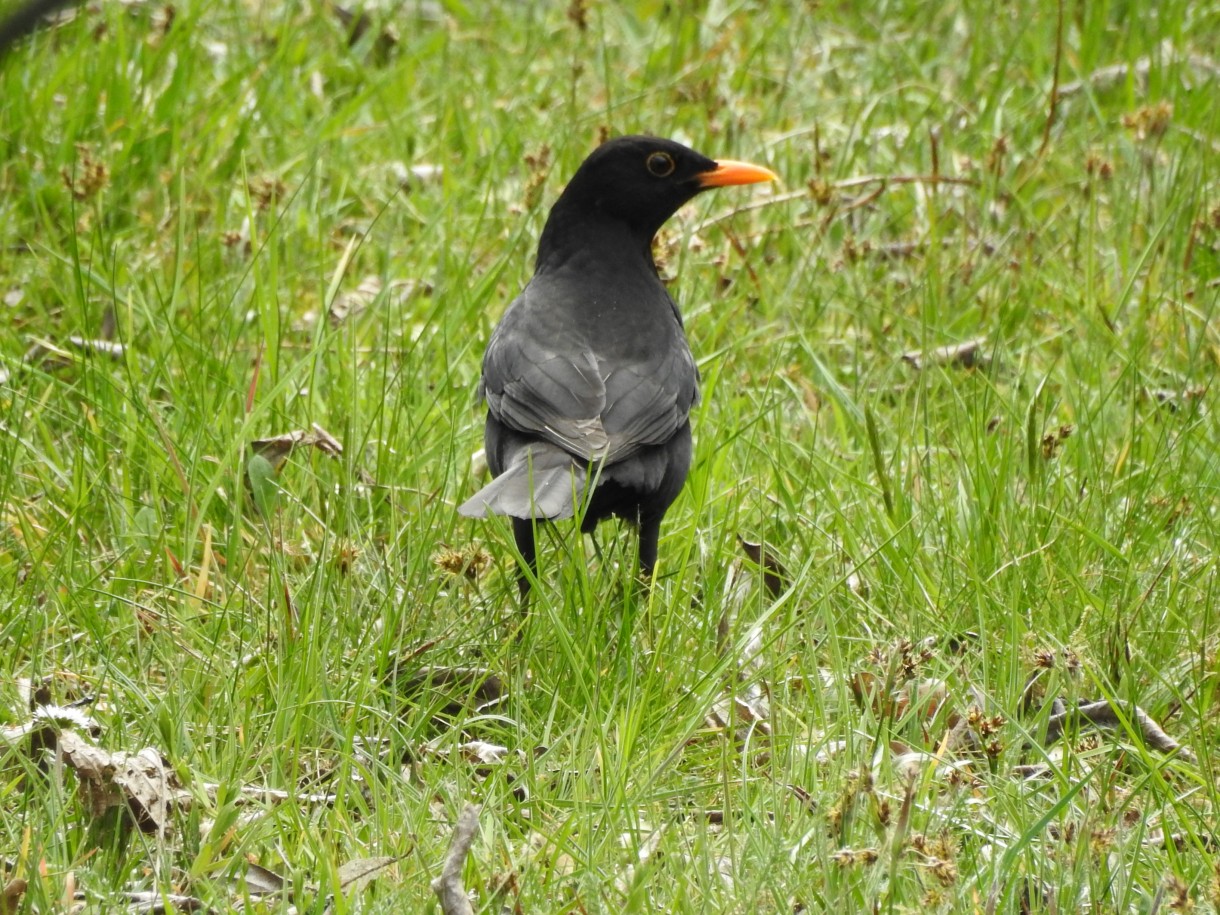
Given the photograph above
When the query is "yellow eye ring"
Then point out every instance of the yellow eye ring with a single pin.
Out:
(660, 164)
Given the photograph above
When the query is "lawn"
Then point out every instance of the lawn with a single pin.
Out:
(936, 624)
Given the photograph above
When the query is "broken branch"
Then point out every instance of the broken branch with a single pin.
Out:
(448, 886)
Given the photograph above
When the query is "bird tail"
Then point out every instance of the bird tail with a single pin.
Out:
(541, 482)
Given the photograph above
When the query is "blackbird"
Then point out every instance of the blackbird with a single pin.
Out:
(588, 379)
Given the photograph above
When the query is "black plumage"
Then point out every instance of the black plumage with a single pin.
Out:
(588, 379)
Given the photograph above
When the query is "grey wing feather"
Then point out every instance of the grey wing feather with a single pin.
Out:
(550, 382)
(546, 384)
(542, 482)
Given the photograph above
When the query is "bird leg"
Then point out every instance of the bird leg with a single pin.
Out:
(523, 533)
(650, 533)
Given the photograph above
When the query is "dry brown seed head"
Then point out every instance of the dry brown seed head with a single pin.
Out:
(883, 812)
(90, 176)
(1088, 743)
(1179, 894)
(1149, 121)
(469, 562)
(266, 191)
(821, 191)
(944, 846)
(539, 164)
(944, 871)
(578, 14)
(1096, 165)
(1102, 839)
(933, 898)
(854, 857)
(995, 158)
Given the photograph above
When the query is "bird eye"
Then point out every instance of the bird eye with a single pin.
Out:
(660, 164)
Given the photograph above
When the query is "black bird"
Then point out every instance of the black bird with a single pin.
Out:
(588, 378)
(26, 18)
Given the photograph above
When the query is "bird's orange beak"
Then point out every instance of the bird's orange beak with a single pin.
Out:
(729, 172)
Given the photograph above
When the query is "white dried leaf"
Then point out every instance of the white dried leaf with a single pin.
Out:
(482, 752)
(262, 881)
(144, 781)
(355, 875)
(353, 303)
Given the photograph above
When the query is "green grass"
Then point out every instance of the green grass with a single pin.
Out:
(936, 538)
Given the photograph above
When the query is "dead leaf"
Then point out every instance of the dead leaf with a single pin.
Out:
(277, 448)
(351, 304)
(481, 751)
(355, 875)
(158, 903)
(858, 585)
(478, 464)
(966, 355)
(745, 715)
(868, 688)
(1106, 715)
(110, 323)
(264, 797)
(927, 696)
(262, 881)
(10, 897)
(648, 848)
(48, 355)
(53, 718)
(744, 709)
(144, 783)
(775, 576)
(448, 886)
(421, 173)
(1031, 771)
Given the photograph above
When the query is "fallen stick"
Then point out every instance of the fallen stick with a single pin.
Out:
(1108, 716)
(448, 886)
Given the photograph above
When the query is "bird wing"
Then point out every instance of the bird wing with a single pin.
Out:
(552, 381)
(647, 402)
(547, 386)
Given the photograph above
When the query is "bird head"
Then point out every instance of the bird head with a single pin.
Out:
(642, 181)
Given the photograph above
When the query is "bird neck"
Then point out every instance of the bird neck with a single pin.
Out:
(594, 236)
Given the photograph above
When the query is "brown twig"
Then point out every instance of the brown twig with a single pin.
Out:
(1104, 77)
(448, 886)
(903, 179)
(862, 201)
(841, 185)
(1054, 102)
(752, 205)
(934, 143)
(745, 255)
